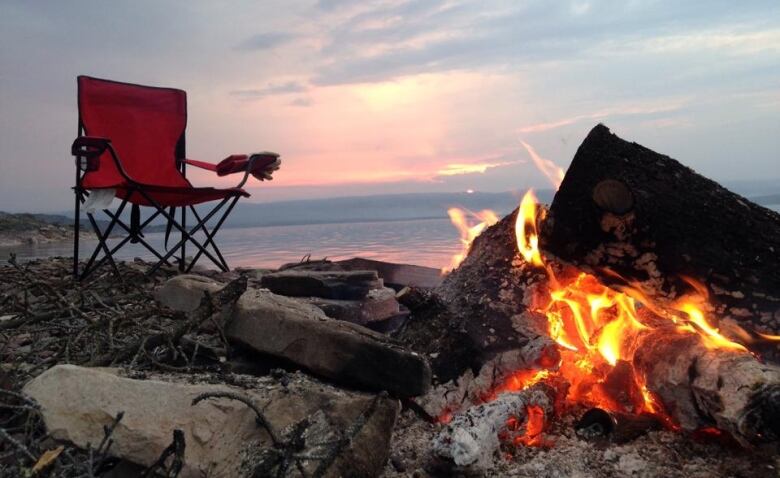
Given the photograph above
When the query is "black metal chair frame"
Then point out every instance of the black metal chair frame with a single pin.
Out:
(87, 150)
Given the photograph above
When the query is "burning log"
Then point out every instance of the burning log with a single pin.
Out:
(626, 209)
(702, 386)
(472, 437)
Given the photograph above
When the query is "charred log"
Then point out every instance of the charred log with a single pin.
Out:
(600, 424)
(654, 221)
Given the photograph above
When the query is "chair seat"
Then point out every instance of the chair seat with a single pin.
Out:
(172, 196)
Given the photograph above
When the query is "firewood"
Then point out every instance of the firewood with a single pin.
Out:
(655, 222)
(704, 387)
(472, 437)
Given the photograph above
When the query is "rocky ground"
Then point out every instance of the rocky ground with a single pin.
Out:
(304, 371)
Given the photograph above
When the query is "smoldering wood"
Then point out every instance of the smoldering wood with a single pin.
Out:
(702, 387)
(617, 427)
(471, 437)
(652, 220)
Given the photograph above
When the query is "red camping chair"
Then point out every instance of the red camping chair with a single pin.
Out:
(131, 142)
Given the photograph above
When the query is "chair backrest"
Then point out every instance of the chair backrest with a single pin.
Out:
(145, 125)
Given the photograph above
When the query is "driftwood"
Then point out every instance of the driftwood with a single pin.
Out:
(210, 307)
(654, 221)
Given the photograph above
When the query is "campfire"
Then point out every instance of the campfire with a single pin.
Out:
(626, 354)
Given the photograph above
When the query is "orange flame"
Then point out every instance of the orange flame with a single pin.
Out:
(599, 329)
(469, 230)
(525, 230)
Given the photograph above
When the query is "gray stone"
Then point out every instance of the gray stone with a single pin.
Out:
(184, 292)
(379, 304)
(341, 285)
(221, 435)
(344, 352)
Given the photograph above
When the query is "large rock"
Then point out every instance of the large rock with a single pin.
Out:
(184, 292)
(341, 351)
(221, 436)
(341, 285)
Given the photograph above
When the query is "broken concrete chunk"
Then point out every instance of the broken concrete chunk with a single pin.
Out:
(379, 304)
(347, 353)
(341, 285)
(184, 292)
(221, 435)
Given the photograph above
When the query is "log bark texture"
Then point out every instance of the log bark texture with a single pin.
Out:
(652, 220)
(701, 387)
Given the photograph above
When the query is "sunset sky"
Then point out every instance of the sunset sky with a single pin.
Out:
(390, 96)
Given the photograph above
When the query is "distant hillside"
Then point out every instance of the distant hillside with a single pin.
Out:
(17, 229)
(370, 208)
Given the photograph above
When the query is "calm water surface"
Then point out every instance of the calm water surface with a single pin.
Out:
(429, 242)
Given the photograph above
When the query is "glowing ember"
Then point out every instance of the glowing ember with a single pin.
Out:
(534, 426)
(469, 225)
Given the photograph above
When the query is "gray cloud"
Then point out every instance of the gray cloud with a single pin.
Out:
(265, 41)
(302, 102)
(270, 90)
(475, 35)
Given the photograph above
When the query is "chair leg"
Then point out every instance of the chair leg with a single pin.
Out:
(102, 237)
(76, 231)
(210, 237)
(140, 239)
(186, 236)
(183, 261)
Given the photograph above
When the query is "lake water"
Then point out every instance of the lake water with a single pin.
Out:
(428, 242)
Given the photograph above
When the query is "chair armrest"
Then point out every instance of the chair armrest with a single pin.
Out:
(260, 165)
(200, 164)
(87, 150)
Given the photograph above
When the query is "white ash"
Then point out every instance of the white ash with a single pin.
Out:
(455, 395)
(666, 454)
(471, 438)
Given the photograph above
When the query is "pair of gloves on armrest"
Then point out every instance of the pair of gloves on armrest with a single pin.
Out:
(263, 165)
